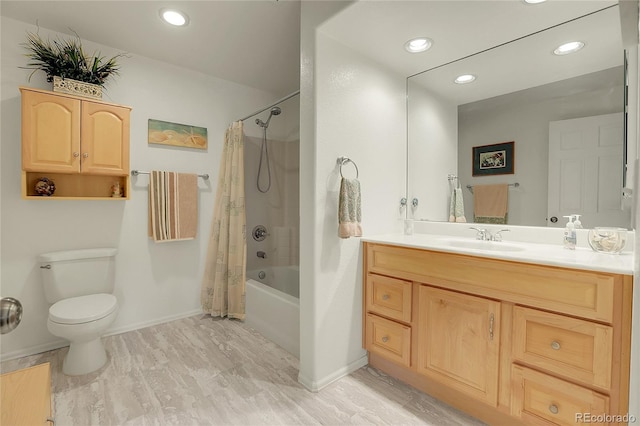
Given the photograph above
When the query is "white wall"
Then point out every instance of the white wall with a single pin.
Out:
(154, 282)
(433, 153)
(353, 107)
(524, 118)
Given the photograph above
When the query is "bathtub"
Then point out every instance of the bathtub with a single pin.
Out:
(273, 305)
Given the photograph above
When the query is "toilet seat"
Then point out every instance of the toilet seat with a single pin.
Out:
(83, 309)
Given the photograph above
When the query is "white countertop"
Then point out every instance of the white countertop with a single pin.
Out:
(536, 253)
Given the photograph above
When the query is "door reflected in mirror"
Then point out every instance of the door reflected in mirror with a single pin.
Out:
(564, 113)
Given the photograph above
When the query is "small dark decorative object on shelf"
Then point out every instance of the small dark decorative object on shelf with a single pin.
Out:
(45, 186)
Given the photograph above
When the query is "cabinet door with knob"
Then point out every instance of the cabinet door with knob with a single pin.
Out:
(459, 341)
(105, 139)
(50, 133)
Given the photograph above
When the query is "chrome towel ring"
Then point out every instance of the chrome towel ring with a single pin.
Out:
(344, 160)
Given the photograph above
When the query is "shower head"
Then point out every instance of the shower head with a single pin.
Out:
(274, 111)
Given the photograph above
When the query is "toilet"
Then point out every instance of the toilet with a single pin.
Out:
(79, 283)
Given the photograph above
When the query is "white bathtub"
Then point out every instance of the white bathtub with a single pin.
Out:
(273, 306)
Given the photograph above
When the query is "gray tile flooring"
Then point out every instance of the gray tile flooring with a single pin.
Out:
(206, 371)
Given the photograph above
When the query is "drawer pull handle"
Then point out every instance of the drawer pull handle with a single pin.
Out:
(75, 155)
(553, 408)
(555, 346)
(385, 339)
(385, 297)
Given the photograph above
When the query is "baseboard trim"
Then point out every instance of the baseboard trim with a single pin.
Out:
(157, 321)
(37, 349)
(317, 385)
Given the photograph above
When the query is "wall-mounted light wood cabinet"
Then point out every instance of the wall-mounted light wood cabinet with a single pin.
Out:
(80, 144)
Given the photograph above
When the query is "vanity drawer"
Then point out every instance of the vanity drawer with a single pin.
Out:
(539, 399)
(389, 297)
(569, 347)
(389, 339)
(586, 294)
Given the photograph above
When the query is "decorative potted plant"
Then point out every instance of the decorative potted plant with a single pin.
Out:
(67, 66)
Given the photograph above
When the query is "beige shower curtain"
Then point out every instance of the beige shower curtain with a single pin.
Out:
(223, 283)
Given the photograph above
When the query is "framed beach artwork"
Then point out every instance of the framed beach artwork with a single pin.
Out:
(174, 134)
(496, 159)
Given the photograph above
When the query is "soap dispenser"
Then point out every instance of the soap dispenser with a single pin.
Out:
(570, 234)
(576, 222)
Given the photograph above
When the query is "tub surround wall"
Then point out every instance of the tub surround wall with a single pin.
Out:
(279, 208)
(350, 106)
(154, 282)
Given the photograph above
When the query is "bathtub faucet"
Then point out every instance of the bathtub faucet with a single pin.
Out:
(261, 254)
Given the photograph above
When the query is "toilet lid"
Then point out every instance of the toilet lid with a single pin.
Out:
(78, 310)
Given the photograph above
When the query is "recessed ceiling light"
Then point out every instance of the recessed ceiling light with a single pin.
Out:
(565, 49)
(534, 1)
(419, 44)
(464, 79)
(174, 17)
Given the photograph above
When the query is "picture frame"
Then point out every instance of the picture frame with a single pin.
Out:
(174, 134)
(496, 159)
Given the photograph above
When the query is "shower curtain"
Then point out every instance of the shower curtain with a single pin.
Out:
(223, 284)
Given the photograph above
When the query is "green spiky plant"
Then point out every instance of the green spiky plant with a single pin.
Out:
(66, 59)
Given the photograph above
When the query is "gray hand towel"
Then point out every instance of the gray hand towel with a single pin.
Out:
(349, 209)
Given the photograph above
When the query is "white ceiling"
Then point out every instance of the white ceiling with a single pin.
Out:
(256, 43)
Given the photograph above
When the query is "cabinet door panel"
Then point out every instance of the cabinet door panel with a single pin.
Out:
(105, 139)
(573, 348)
(458, 343)
(540, 399)
(50, 133)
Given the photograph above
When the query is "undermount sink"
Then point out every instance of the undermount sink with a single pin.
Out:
(484, 245)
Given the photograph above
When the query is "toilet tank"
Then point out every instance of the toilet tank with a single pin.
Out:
(77, 272)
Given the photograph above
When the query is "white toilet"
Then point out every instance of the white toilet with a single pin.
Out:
(79, 283)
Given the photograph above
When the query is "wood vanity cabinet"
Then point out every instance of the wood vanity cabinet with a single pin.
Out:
(507, 342)
(81, 144)
(26, 397)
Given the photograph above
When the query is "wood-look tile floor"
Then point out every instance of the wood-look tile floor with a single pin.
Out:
(206, 371)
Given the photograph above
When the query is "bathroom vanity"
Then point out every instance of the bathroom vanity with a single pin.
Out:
(508, 340)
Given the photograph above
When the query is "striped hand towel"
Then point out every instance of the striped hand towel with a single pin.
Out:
(173, 206)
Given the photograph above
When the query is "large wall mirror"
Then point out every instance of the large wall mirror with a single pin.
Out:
(549, 126)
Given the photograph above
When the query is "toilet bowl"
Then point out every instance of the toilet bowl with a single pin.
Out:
(79, 284)
(82, 321)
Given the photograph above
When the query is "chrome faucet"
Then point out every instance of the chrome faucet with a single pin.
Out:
(481, 233)
(485, 235)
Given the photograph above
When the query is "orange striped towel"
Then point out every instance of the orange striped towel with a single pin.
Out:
(173, 206)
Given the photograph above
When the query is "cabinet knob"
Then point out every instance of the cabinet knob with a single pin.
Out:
(555, 345)
(385, 339)
(85, 155)
(385, 297)
(553, 408)
(76, 154)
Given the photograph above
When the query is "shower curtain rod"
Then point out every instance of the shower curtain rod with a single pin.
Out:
(297, 92)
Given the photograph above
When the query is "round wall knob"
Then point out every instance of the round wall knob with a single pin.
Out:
(76, 154)
(385, 339)
(553, 408)
(85, 155)
(555, 345)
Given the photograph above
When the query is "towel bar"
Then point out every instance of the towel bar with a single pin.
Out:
(140, 172)
(515, 185)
